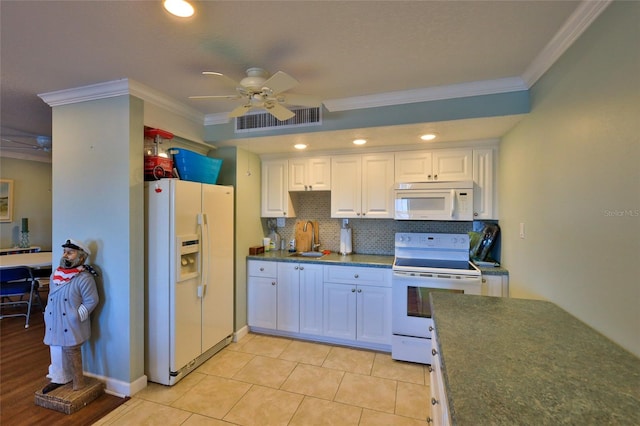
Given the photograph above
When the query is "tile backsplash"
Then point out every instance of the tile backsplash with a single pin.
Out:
(369, 236)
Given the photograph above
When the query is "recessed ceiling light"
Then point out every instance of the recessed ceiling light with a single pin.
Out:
(179, 8)
(428, 136)
(300, 146)
(359, 141)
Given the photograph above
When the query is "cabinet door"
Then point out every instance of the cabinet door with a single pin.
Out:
(374, 314)
(276, 201)
(288, 299)
(339, 319)
(311, 293)
(413, 166)
(495, 285)
(319, 174)
(483, 184)
(452, 165)
(377, 186)
(346, 175)
(297, 174)
(261, 302)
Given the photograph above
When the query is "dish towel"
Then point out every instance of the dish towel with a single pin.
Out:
(345, 241)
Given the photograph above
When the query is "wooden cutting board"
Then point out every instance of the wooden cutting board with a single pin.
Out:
(303, 239)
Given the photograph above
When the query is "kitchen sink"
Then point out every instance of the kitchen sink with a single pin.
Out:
(307, 254)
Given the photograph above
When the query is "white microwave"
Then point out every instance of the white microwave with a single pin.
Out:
(434, 201)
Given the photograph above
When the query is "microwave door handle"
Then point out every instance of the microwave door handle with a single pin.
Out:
(453, 202)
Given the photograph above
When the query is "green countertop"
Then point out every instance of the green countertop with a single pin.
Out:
(370, 260)
(516, 362)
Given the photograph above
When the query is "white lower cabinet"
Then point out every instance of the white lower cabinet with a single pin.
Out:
(439, 405)
(311, 299)
(339, 304)
(495, 285)
(357, 304)
(262, 294)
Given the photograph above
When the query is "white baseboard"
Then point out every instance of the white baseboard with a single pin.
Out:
(240, 333)
(118, 387)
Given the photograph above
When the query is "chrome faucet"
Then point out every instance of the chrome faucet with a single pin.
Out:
(314, 246)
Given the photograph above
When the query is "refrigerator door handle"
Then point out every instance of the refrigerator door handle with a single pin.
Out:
(204, 260)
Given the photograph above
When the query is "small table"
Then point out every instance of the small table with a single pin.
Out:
(32, 260)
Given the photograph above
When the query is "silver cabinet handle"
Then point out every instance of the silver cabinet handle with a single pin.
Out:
(359, 290)
(302, 268)
(310, 188)
(429, 420)
(273, 283)
(296, 268)
(356, 276)
(434, 352)
(261, 269)
(434, 401)
(353, 290)
(430, 328)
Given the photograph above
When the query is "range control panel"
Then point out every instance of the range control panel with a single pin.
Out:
(432, 241)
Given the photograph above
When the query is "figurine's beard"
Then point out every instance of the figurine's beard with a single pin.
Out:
(67, 263)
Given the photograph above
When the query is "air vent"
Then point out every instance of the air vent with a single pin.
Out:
(262, 121)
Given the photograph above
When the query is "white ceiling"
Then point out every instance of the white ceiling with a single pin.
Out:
(336, 49)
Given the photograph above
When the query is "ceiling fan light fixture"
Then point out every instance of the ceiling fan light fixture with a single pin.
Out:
(359, 141)
(180, 8)
(429, 136)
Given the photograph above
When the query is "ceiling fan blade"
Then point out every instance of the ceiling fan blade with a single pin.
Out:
(217, 97)
(241, 110)
(222, 78)
(280, 82)
(300, 100)
(278, 111)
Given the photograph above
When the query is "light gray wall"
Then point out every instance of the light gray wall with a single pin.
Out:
(32, 199)
(241, 169)
(98, 198)
(570, 171)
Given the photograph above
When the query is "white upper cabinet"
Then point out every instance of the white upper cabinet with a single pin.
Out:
(276, 201)
(310, 174)
(436, 165)
(484, 194)
(362, 186)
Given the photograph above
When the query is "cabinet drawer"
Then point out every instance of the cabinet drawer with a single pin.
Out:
(258, 268)
(358, 275)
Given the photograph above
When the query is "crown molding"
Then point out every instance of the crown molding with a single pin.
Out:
(463, 90)
(120, 87)
(577, 23)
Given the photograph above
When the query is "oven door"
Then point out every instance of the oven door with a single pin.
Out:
(411, 311)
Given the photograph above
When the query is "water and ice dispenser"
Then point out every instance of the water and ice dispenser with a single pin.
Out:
(188, 257)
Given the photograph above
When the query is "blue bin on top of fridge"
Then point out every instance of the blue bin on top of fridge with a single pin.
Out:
(196, 167)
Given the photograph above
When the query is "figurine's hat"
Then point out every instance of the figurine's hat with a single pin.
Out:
(77, 245)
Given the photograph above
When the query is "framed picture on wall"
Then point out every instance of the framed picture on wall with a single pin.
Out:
(6, 200)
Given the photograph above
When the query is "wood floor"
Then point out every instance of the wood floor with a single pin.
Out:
(24, 361)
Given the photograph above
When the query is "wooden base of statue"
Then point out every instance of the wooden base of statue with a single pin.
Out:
(65, 400)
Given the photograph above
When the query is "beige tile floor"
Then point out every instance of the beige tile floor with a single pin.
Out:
(266, 380)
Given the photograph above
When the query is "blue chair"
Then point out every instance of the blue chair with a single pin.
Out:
(18, 282)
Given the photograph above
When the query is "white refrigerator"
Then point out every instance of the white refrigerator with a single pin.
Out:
(188, 277)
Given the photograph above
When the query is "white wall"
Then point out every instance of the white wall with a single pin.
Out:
(570, 171)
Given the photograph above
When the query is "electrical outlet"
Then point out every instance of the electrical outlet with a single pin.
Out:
(522, 230)
(280, 222)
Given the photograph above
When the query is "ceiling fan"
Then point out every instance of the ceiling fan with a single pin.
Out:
(260, 90)
(21, 142)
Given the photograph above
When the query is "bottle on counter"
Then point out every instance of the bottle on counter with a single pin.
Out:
(275, 243)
